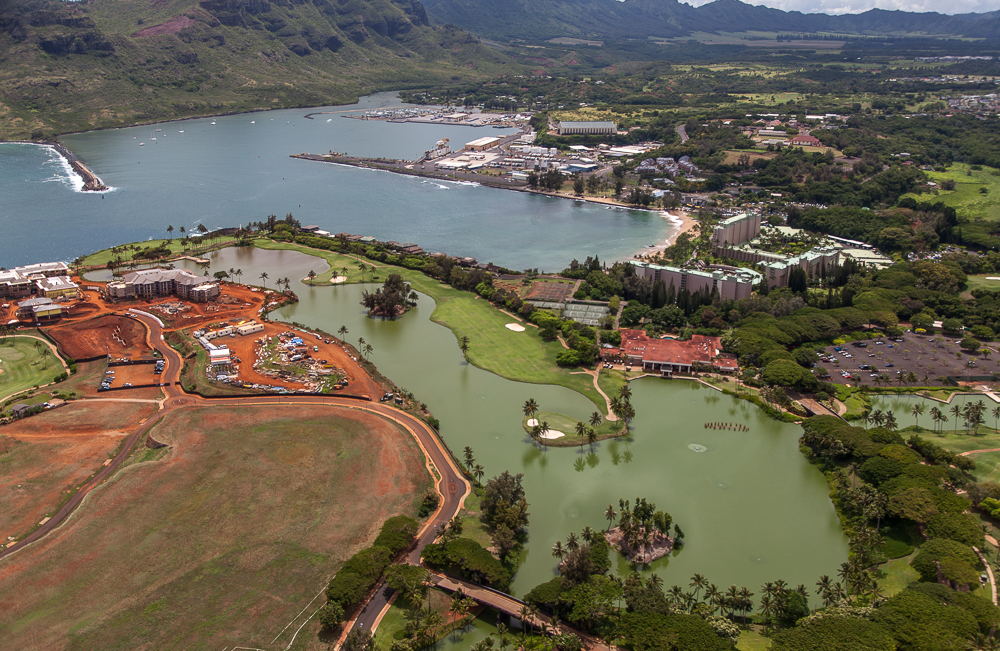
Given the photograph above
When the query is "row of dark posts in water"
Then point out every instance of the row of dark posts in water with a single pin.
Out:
(730, 426)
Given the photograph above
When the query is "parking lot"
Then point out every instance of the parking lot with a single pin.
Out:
(929, 358)
(136, 375)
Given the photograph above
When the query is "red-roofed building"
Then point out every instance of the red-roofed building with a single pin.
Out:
(806, 141)
(669, 356)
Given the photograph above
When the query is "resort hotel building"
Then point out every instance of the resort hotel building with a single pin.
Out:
(152, 283)
(669, 356)
(734, 285)
(47, 279)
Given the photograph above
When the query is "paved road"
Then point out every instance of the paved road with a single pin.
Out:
(682, 132)
(451, 485)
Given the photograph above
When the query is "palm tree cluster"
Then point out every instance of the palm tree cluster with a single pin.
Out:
(861, 504)
(641, 528)
(472, 468)
(879, 418)
(538, 430)
(621, 405)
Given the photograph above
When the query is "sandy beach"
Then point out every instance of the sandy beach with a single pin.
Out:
(680, 222)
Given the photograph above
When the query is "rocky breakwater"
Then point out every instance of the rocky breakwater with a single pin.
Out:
(90, 181)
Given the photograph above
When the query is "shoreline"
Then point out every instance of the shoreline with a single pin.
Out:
(678, 221)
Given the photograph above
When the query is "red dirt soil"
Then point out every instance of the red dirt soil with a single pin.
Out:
(84, 339)
(333, 353)
(56, 451)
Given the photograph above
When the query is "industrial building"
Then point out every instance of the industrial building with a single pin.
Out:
(587, 128)
(736, 230)
(737, 286)
(482, 144)
(152, 283)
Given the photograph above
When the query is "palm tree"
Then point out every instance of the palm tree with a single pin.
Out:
(596, 419)
(746, 603)
(343, 333)
(558, 551)
(956, 412)
(469, 459)
(917, 411)
(890, 421)
(732, 600)
(581, 430)
(996, 417)
(368, 350)
(263, 277)
(714, 598)
(170, 230)
(478, 472)
(463, 345)
(625, 393)
(591, 437)
(610, 515)
(311, 275)
(587, 534)
(572, 542)
(698, 582)
(935, 414)
(530, 408)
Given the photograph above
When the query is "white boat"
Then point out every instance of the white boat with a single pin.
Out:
(158, 130)
(142, 144)
(213, 121)
(181, 131)
(152, 138)
(253, 122)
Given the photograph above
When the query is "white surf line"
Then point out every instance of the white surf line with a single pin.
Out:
(300, 613)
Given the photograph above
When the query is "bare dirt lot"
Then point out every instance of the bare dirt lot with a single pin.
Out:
(120, 336)
(54, 452)
(134, 374)
(221, 542)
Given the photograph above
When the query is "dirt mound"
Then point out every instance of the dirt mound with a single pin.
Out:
(82, 310)
(108, 334)
(172, 26)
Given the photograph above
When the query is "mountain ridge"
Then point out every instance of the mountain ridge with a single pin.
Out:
(611, 19)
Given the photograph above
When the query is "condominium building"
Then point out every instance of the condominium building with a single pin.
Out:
(19, 282)
(738, 285)
(736, 230)
(815, 263)
(152, 283)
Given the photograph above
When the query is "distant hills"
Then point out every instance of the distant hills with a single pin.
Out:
(69, 66)
(641, 19)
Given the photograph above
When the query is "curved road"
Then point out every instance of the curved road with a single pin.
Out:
(451, 485)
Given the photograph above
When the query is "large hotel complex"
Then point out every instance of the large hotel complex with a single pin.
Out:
(151, 283)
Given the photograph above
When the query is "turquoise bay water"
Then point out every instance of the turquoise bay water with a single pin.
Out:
(238, 170)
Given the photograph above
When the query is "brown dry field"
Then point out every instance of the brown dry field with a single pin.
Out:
(138, 374)
(87, 380)
(235, 303)
(93, 337)
(219, 543)
(55, 452)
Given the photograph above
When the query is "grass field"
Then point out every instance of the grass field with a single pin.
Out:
(55, 452)
(223, 541)
(752, 641)
(966, 198)
(980, 282)
(104, 256)
(24, 365)
(567, 425)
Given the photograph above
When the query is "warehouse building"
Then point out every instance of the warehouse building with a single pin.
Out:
(482, 144)
(587, 129)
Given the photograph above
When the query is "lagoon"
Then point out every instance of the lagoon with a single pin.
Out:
(751, 506)
(238, 170)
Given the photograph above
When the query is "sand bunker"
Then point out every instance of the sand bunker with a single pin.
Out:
(992, 277)
(338, 280)
(516, 327)
(533, 422)
(553, 434)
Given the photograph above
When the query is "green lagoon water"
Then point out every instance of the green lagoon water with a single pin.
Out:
(752, 508)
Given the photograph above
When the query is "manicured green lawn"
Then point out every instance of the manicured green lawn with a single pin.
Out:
(981, 282)
(752, 641)
(24, 366)
(966, 197)
(104, 256)
(567, 425)
(899, 574)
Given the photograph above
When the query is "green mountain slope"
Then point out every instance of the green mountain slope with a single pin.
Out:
(102, 63)
(639, 19)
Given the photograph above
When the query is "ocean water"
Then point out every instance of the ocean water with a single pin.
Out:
(239, 170)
